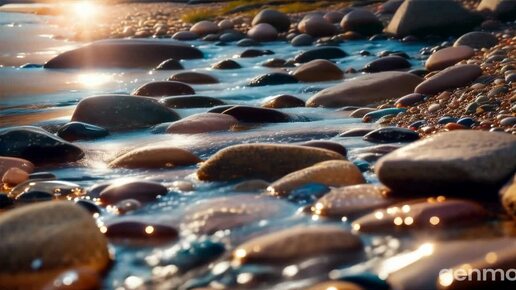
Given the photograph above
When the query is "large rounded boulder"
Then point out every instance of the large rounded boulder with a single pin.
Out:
(275, 18)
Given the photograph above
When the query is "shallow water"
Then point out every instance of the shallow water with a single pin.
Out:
(46, 97)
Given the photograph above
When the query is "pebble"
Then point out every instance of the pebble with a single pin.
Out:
(355, 132)
(226, 64)
(255, 52)
(387, 63)
(88, 205)
(204, 28)
(74, 131)
(140, 232)
(55, 253)
(33, 197)
(466, 121)
(318, 70)
(329, 173)
(509, 121)
(14, 176)
(352, 201)
(170, 64)
(265, 161)
(121, 112)
(247, 42)
(138, 53)
(423, 215)
(185, 35)
(361, 112)
(283, 101)
(329, 145)
(391, 135)
(297, 243)
(250, 114)
(253, 185)
(187, 102)
(333, 16)
(272, 79)
(155, 157)
(454, 162)
(164, 88)
(302, 40)
(276, 63)
(421, 18)
(279, 20)
(477, 40)
(316, 26)
(320, 53)
(202, 123)
(195, 78)
(366, 89)
(7, 163)
(142, 191)
(232, 212)
(377, 114)
(410, 100)
(37, 146)
(448, 56)
(263, 32)
(452, 77)
(5, 201)
(362, 21)
(226, 24)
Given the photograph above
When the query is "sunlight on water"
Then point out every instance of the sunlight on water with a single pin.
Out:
(91, 80)
(404, 260)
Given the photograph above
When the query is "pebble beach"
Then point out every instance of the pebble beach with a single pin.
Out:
(307, 145)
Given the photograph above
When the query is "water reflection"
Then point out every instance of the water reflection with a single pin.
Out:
(399, 262)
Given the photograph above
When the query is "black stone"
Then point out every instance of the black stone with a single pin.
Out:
(391, 135)
(184, 102)
(81, 131)
(170, 64)
(226, 64)
(320, 53)
(257, 115)
(272, 79)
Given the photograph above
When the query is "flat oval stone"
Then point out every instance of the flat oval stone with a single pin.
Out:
(378, 114)
(358, 132)
(410, 100)
(133, 230)
(352, 201)
(296, 243)
(186, 102)
(203, 123)
(474, 163)
(316, 26)
(266, 161)
(320, 53)
(170, 64)
(477, 39)
(142, 191)
(74, 131)
(450, 78)
(256, 115)
(32, 257)
(252, 185)
(387, 63)
(56, 188)
(226, 64)
(7, 163)
(37, 145)
(328, 145)
(318, 70)
(223, 213)
(185, 35)
(155, 157)
(124, 53)
(425, 215)
(366, 89)
(448, 56)
(255, 53)
(329, 173)
(33, 196)
(361, 112)
(283, 101)
(164, 88)
(121, 112)
(391, 135)
(193, 78)
(272, 79)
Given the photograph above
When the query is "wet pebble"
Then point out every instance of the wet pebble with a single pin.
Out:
(328, 145)
(391, 135)
(164, 88)
(226, 64)
(170, 64)
(387, 63)
(477, 39)
(355, 132)
(452, 77)
(266, 161)
(193, 78)
(185, 102)
(449, 56)
(203, 123)
(320, 53)
(283, 101)
(263, 32)
(256, 115)
(376, 115)
(7, 163)
(155, 157)
(302, 40)
(410, 100)
(142, 191)
(56, 188)
(14, 176)
(317, 71)
(140, 231)
(82, 278)
(74, 131)
(329, 173)
(252, 185)
(272, 79)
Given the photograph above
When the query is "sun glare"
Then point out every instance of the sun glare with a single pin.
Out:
(85, 9)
